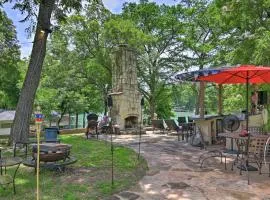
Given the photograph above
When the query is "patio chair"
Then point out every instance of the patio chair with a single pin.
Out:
(158, 124)
(172, 126)
(255, 130)
(258, 153)
(185, 128)
(7, 176)
(51, 135)
(212, 152)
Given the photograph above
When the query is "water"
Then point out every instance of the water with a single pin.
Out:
(81, 118)
(185, 114)
(80, 121)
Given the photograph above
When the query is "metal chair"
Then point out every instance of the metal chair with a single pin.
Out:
(255, 130)
(185, 128)
(8, 176)
(258, 153)
(171, 125)
(212, 152)
(158, 124)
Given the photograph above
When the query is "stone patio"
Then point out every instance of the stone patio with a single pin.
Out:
(174, 173)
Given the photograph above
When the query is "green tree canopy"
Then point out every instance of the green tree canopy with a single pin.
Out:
(9, 63)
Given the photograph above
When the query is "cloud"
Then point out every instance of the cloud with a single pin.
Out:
(115, 6)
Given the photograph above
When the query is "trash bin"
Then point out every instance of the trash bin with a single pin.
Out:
(51, 134)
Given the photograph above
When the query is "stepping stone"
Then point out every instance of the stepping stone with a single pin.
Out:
(113, 198)
(152, 172)
(129, 195)
(165, 167)
(179, 185)
(181, 169)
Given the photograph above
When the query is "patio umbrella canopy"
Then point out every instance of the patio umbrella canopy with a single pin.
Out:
(193, 76)
(243, 74)
(240, 74)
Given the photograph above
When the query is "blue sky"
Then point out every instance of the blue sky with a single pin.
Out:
(114, 6)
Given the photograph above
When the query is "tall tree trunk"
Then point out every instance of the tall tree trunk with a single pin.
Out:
(105, 105)
(59, 120)
(20, 128)
(152, 107)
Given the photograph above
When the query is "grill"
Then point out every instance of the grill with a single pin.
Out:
(92, 116)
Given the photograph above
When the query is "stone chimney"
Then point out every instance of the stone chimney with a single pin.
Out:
(126, 110)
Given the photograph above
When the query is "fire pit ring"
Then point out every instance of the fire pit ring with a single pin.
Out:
(52, 156)
(51, 152)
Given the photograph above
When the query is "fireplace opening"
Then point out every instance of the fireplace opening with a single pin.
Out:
(131, 122)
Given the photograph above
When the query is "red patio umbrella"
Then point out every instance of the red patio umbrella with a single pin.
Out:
(243, 74)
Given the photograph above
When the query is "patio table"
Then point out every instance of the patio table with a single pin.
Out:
(233, 137)
(238, 139)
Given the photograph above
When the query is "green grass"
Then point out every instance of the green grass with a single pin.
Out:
(88, 178)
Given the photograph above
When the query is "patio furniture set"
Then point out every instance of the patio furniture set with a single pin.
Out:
(53, 155)
(184, 129)
(253, 149)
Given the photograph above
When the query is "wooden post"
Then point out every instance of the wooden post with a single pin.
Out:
(220, 91)
(201, 99)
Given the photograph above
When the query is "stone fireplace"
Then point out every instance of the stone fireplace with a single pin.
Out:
(126, 110)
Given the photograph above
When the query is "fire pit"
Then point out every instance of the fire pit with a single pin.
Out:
(51, 152)
(52, 155)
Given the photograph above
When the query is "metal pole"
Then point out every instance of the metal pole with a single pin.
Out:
(38, 120)
(38, 158)
(1, 170)
(140, 138)
(247, 114)
(112, 149)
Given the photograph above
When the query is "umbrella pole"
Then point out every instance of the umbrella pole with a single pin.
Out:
(247, 114)
(247, 166)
